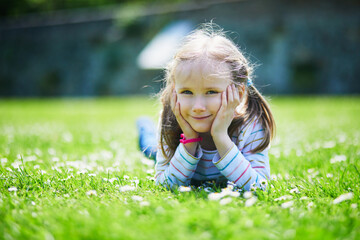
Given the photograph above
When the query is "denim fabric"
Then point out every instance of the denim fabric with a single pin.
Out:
(147, 137)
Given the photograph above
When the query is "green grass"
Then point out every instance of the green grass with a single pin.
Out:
(48, 148)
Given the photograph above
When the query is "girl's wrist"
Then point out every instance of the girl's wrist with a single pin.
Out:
(220, 135)
(185, 140)
(191, 136)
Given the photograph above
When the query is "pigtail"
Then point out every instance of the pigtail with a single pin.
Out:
(255, 105)
(170, 132)
(258, 106)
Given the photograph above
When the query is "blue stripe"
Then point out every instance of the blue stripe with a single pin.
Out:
(257, 131)
(170, 180)
(262, 175)
(229, 162)
(257, 178)
(260, 154)
(186, 160)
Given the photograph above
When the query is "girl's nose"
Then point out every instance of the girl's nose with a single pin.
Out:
(199, 105)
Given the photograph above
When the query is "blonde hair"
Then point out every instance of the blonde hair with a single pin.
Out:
(208, 44)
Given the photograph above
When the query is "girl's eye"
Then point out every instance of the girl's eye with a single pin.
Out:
(212, 92)
(186, 92)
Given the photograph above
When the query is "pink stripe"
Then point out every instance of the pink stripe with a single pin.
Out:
(242, 173)
(235, 169)
(206, 160)
(159, 174)
(254, 125)
(183, 165)
(178, 170)
(259, 167)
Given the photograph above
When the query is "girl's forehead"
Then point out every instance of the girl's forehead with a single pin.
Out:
(213, 71)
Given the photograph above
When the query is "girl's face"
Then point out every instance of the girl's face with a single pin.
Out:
(199, 91)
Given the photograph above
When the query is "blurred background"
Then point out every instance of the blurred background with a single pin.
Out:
(118, 47)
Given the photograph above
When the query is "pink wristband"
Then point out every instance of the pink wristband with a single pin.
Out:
(185, 141)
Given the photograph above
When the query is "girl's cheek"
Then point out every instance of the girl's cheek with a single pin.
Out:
(183, 101)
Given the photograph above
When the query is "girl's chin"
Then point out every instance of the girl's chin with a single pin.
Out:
(202, 129)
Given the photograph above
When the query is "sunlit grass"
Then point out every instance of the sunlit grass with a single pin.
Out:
(71, 169)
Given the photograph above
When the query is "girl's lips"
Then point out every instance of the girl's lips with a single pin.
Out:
(200, 118)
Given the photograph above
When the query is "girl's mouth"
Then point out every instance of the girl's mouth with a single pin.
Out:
(200, 118)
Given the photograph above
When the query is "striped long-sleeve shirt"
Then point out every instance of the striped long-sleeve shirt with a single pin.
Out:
(238, 165)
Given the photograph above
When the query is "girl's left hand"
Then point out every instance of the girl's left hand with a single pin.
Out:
(230, 99)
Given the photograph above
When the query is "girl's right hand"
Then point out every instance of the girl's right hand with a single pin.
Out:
(188, 131)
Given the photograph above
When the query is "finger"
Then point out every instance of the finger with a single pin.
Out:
(230, 97)
(223, 100)
(236, 95)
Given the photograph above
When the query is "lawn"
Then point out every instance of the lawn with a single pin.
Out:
(71, 169)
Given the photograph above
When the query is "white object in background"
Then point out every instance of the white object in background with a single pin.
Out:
(163, 46)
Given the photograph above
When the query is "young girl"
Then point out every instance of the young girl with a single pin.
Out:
(214, 125)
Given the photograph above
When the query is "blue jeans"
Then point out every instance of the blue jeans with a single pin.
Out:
(147, 137)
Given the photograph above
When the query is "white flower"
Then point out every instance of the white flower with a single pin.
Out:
(113, 179)
(294, 190)
(137, 198)
(234, 194)
(127, 213)
(91, 193)
(227, 192)
(225, 201)
(136, 181)
(287, 204)
(338, 158)
(230, 187)
(251, 201)
(343, 197)
(310, 205)
(150, 178)
(184, 189)
(12, 189)
(159, 210)
(16, 164)
(329, 175)
(126, 177)
(144, 204)
(285, 197)
(215, 196)
(329, 144)
(354, 205)
(248, 194)
(126, 188)
(304, 198)
(92, 175)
